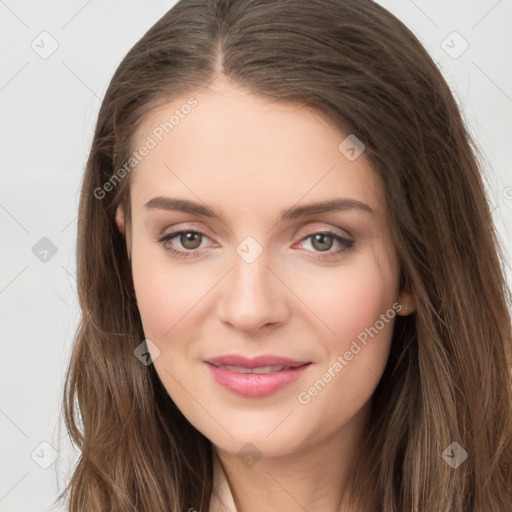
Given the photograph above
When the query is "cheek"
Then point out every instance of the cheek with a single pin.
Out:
(167, 292)
(358, 307)
(169, 309)
(350, 300)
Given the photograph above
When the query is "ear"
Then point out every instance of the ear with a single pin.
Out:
(124, 230)
(120, 219)
(407, 303)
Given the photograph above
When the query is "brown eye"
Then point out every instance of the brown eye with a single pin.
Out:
(190, 239)
(325, 242)
(322, 241)
(183, 244)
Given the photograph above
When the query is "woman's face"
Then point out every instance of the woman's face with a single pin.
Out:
(261, 279)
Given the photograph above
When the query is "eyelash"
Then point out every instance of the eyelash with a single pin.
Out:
(346, 244)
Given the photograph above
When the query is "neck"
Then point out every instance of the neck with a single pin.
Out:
(313, 478)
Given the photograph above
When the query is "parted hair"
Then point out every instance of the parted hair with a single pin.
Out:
(448, 376)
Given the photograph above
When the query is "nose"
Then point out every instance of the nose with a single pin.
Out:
(254, 296)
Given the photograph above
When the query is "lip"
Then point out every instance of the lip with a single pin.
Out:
(254, 362)
(255, 385)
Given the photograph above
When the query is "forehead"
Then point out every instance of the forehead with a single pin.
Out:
(233, 146)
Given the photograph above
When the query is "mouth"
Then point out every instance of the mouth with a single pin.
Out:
(258, 370)
(258, 381)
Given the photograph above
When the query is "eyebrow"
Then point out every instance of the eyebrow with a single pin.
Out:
(293, 213)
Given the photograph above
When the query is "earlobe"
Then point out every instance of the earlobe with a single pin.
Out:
(407, 303)
(120, 219)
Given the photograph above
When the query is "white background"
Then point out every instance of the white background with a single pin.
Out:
(48, 111)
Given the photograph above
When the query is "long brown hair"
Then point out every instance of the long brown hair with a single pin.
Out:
(448, 378)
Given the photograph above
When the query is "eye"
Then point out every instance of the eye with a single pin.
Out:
(323, 241)
(189, 239)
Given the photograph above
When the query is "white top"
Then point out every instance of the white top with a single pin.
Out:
(221, 499)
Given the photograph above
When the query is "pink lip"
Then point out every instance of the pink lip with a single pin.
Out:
(252, 384)
(255, 362)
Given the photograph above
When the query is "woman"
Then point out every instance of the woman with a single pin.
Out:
(290, 282)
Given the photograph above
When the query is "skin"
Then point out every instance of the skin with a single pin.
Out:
(250, 158)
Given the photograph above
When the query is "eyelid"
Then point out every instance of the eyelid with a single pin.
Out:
(333, 230)
(183, 226)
